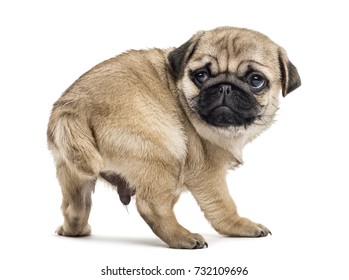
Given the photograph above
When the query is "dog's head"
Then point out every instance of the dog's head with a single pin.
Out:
(230, 78)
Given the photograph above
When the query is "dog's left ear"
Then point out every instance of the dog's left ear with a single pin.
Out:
(180, 56)
(290, 79)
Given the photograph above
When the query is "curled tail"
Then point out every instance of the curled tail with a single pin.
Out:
(72, 142)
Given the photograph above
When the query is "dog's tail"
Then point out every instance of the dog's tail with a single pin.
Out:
(71, 140)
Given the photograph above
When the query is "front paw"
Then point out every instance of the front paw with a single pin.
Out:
(246, 228)
(188, 241)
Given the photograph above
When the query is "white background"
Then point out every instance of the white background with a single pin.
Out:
(294, 179)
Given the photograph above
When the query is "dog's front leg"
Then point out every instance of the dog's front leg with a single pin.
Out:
(211, 192)
(156, 196)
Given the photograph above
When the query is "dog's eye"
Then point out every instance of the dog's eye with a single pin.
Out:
(256, 81)
(201, 77)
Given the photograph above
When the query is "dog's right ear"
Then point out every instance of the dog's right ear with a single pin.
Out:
(180, 56)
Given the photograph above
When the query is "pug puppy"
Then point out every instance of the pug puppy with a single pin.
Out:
(156, 122)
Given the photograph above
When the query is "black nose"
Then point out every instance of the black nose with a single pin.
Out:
(225, 89)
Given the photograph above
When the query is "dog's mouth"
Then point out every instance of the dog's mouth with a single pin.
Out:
(224, 116)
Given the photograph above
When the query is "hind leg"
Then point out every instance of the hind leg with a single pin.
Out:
(76, 204)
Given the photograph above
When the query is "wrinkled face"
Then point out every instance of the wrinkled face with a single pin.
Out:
(229, 97)
(231, 77)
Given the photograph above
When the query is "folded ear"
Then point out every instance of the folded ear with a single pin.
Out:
(180, 56)
(290, 79)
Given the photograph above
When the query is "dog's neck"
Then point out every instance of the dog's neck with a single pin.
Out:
(232, 139)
